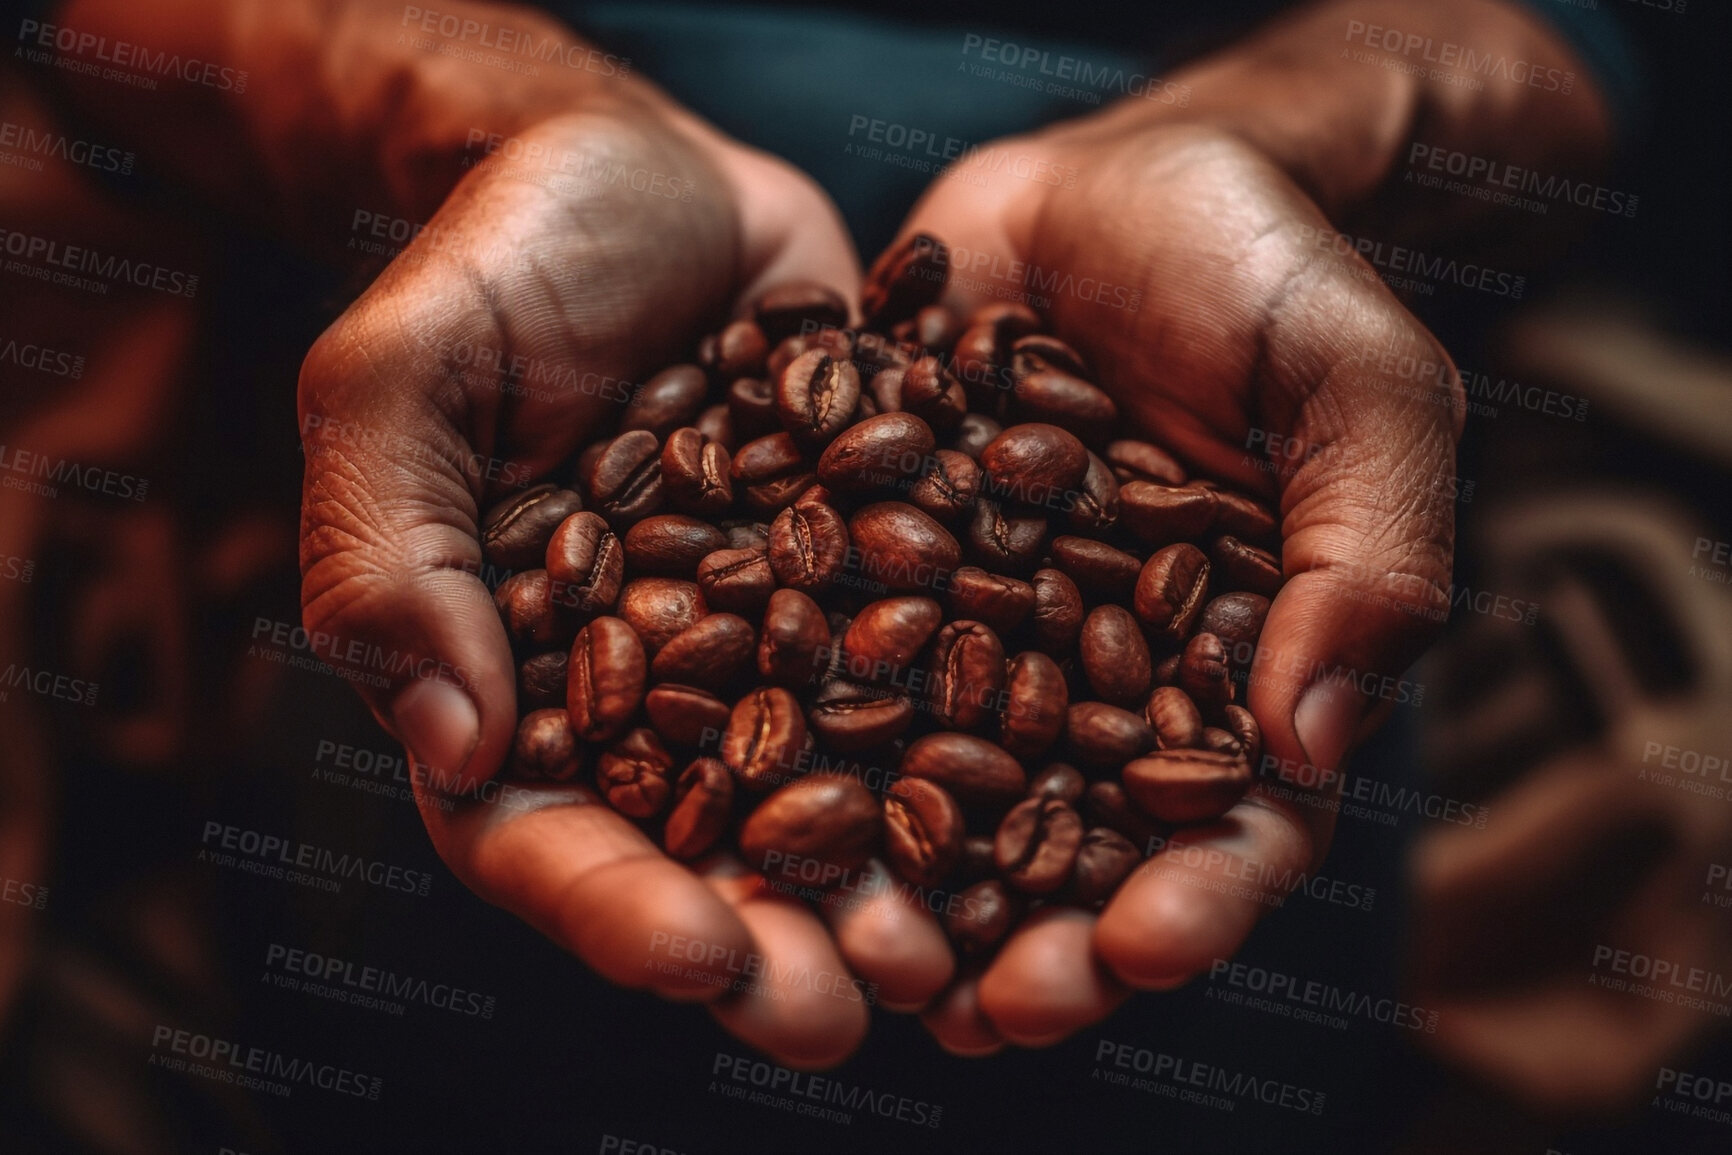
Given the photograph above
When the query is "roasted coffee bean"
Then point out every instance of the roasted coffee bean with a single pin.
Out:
(1237, 619)
(950, 487)
(695, 473)
(1000, 540)
(1246, 567)
(985, 915)
(974, 433)
(672, 398)
(1059, 780)
(686, 715)
(1167, 671)
(1035, 465)
(1242, 517)
(1039, 351)
(965, 675)
(1162, 514)
(1059, 398)
(717, 424)
(816, 396)
(901, 549)
(848, 718)
(975, 771)
(658, 608)
(791, 642)
(884, 638)
(881, 452)
(605, 675)
(541, 681)
(585, 471)
(808, 544)
(525, 605)
(1058, 612)
(740, 350)
(670, 545)
(1187, 786)
(716, 653)
(1103, 735)
(1106, 804)
(1115, 657)
(1003, 603)
(634, 774)
(928, 391)
(1177, 722)
(585, 566)
(1216, 739)
(823, 819)
(1204, 673)
(906, 279)
(1140, 461)
(545, 746)
(976, 861)
(936, 328)
(515, 532)
(838, 343)
(1102, 572)
(982, 353)
(626, 484)
(1103, 861)
(1037, 845)
(1171, 590)
(886, 389)
(1036, 700)
(799, 307)
(770, 472)
(703, 798)
(737, 580)
(922, 831)
(1096, 504)
(764, 737)
(1243, 726)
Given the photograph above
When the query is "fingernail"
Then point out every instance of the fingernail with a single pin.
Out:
(438, 724)
(1325, 720)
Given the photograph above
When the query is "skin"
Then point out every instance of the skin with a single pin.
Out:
(1203, 210)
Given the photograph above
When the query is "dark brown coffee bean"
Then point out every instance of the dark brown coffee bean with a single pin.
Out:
(1103, 735)
(737, 580)
(541, 681)
(1246, 567)
(525, 605)
(1057, 397)
(605, 679)
(686, 715)
(585, 566)
(1099, 570)
(975, 432)
(716, 423)
(1237, 619)
(792, 639)
(770, 472)
(659, 608)
(545, 746)
(1106, 804)
(976, 861)
(886, 390)
(1058, 612)
(808, 545)
(1096, 505)
(672, 398)
(1242, 516)
(1034, 465)
(626, 484)
(1000, 540)
(716, 653)
(1059, 780)
(982, 918)
(635, 774)
(847, 718)
(1036, 700)
(1037, 845)
(764, 737)
(982, 353)
(695, 473)
(1243, 726)
(1103, 862)
(824, 819)
(838, 343)
(671, 545)
(514, 534)
(881, 452)
(966, 675)
(1037, 351)
(1140, 461)
(922, 831)
(1161, 514)
(928, 391)
(1185, 786)
(1204, 673)
(1171, 590)
(1219, 740)
(703, 798)
(585, 471)
(902, 549)
(1003, 603)
(884, 638)
(799, 307)
(816, 396)
(975, 771)
(740, 350)
(950, 487)
(1115, 657)
(936, 328)
(1177, 722)
(905, 279)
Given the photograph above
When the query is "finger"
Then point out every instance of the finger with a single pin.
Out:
(957, 1022)
(795, 231)
(1197, 899)
(1046, 982)
(578, 872)
(888, 938)
(793, 997)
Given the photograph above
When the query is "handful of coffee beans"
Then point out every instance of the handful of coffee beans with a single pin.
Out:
(899, 592)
